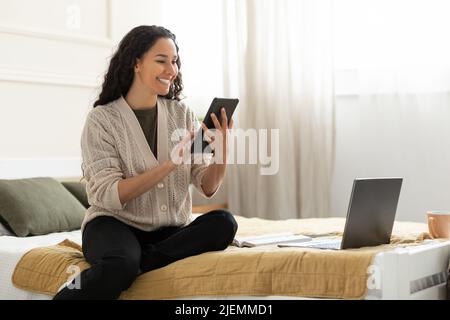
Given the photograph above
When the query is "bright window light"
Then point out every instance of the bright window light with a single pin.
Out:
(198, 27)
(391, 33)
(378, 35)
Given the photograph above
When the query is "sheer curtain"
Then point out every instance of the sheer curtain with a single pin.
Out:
(392, 83)
(393, 101)
(278, 61)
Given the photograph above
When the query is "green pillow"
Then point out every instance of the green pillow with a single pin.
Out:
(37, 206)
(78, 190)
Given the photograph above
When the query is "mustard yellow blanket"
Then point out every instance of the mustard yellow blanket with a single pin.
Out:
(259, 271)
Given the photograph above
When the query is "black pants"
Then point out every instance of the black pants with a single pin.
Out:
(118, 253)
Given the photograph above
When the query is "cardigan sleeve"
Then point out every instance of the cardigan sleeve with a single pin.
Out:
(101, 163)
(198, 170)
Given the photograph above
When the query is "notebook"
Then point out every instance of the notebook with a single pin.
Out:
(266, 239)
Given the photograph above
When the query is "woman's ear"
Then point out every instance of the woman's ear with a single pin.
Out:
(136, 66)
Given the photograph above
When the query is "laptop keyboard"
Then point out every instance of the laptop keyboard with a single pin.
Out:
(332, 244)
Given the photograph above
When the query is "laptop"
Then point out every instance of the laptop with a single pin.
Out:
(370, 216)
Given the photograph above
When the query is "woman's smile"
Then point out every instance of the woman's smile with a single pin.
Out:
(164, 81)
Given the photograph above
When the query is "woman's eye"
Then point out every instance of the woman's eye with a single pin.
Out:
(173, 62)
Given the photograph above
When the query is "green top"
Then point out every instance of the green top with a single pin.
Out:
(148, 119)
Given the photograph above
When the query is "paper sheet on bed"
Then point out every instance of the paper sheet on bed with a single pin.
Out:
(265, 270)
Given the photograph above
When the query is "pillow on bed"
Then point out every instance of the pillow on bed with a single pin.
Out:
(37, 206)
(4, 230)
(78, 190)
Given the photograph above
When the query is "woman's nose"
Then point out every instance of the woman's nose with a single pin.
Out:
(172, 70)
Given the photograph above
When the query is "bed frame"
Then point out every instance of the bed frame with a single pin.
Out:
(411, 272)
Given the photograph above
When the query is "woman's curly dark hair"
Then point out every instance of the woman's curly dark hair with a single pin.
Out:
(120, 73)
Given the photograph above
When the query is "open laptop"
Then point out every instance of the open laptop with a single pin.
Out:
(370, 215)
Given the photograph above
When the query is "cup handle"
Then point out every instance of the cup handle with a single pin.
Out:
(431, 224)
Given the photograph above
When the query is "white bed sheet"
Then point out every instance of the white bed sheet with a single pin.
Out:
(13, 248)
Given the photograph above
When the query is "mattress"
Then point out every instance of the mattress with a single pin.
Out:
(12, 249)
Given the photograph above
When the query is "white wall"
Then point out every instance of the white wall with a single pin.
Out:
(51, 64)
(410, 141)
(52, 60)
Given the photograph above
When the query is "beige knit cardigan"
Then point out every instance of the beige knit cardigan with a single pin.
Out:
(114, 147)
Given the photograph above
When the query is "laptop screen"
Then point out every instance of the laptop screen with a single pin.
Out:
(371, 212)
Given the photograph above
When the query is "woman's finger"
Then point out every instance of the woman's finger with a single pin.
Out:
(209, 136)
(204, 127)
(205, 132)
(224, 119)
(216, 122)
(231, 124)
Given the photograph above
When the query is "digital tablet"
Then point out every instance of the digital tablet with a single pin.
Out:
(217, 103)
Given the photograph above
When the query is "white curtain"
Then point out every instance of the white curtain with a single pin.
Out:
(278, 62)
(393, 100)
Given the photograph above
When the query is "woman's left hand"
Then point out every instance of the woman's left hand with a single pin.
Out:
(218, 138)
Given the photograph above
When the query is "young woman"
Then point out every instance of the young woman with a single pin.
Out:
(138, 189)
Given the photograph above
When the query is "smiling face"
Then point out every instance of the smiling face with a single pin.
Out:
(157, 69)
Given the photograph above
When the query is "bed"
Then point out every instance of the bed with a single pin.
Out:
(13, 248)
(419, 271)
